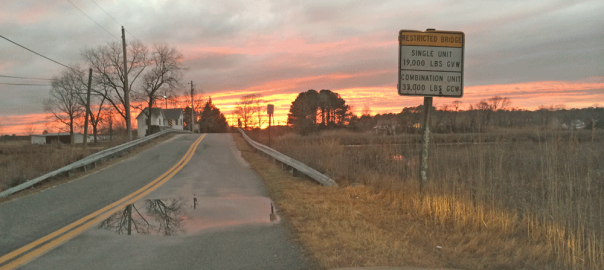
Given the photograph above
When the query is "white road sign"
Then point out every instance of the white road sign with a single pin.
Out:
(431, 63)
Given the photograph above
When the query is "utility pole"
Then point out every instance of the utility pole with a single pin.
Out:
(87, 109)
(166, 98)
(126, 90)
(192, 112)
(270, 109)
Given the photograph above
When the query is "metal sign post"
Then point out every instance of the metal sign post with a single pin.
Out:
(430, 64)
(270, 109)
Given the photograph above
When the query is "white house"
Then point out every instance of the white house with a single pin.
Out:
(387, 127)
(162, 118)
(37, 139)
(157, 119)
(176, 116)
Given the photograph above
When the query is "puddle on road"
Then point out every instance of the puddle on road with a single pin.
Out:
(183, 216)
(158, 217)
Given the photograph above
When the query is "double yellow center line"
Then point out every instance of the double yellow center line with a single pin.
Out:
(56, 238)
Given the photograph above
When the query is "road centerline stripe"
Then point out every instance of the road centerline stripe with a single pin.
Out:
(32, 250)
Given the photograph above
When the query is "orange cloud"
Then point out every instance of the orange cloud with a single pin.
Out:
(21, 124)
(385, 99)
(380, 99)
(531, 95)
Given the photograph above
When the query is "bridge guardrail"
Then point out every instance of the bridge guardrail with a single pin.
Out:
(296, 165)
(85, 162)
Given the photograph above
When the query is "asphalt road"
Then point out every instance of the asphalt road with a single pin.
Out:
(212, 214)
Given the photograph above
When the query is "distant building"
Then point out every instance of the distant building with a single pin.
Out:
(160, 119)
(577, 124)
(58, 138)
(386, 127)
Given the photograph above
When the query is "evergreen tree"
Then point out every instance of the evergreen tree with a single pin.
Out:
(303, 112)
(212, 120)
(313, 110)
(187, 118)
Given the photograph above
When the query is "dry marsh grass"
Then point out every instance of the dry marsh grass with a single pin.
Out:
(364, 226)
(511, 203)
(21, 161)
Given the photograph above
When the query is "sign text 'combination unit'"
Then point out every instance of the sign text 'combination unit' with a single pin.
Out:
(431, 63)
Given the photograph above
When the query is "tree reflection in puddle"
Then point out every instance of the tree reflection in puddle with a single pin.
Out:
(162, 217)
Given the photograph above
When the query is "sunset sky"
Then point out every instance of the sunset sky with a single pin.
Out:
(534, 52)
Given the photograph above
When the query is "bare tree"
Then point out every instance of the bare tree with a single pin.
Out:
(366, 110)
(165, 74)
(97, 116)
(97, 103)
(245, 109)
(456, 105)
(64, 102)
(30, 130)
(498, 103)
(483, 106)
(107, 63)
(259, 109)
(495, 104)
(108, 123)
(444, 118)
(198, 104)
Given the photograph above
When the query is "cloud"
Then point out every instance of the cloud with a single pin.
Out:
(285, 47)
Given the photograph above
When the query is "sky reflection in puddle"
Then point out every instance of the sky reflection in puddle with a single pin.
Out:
(157, 217)
(182, 216)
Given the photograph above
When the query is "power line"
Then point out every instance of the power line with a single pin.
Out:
(27, 78)
(133, 36)
(114, 19)
(106, 12)
(35, 84)
(92, 19)
(35, 52)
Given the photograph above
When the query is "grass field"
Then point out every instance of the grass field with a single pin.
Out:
(524, 199)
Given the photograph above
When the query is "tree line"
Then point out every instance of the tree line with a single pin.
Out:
(152, 74)
(310, 111)
(484, 116)
(313, 111)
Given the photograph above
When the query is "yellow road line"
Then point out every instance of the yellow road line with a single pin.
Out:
(115, 206)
